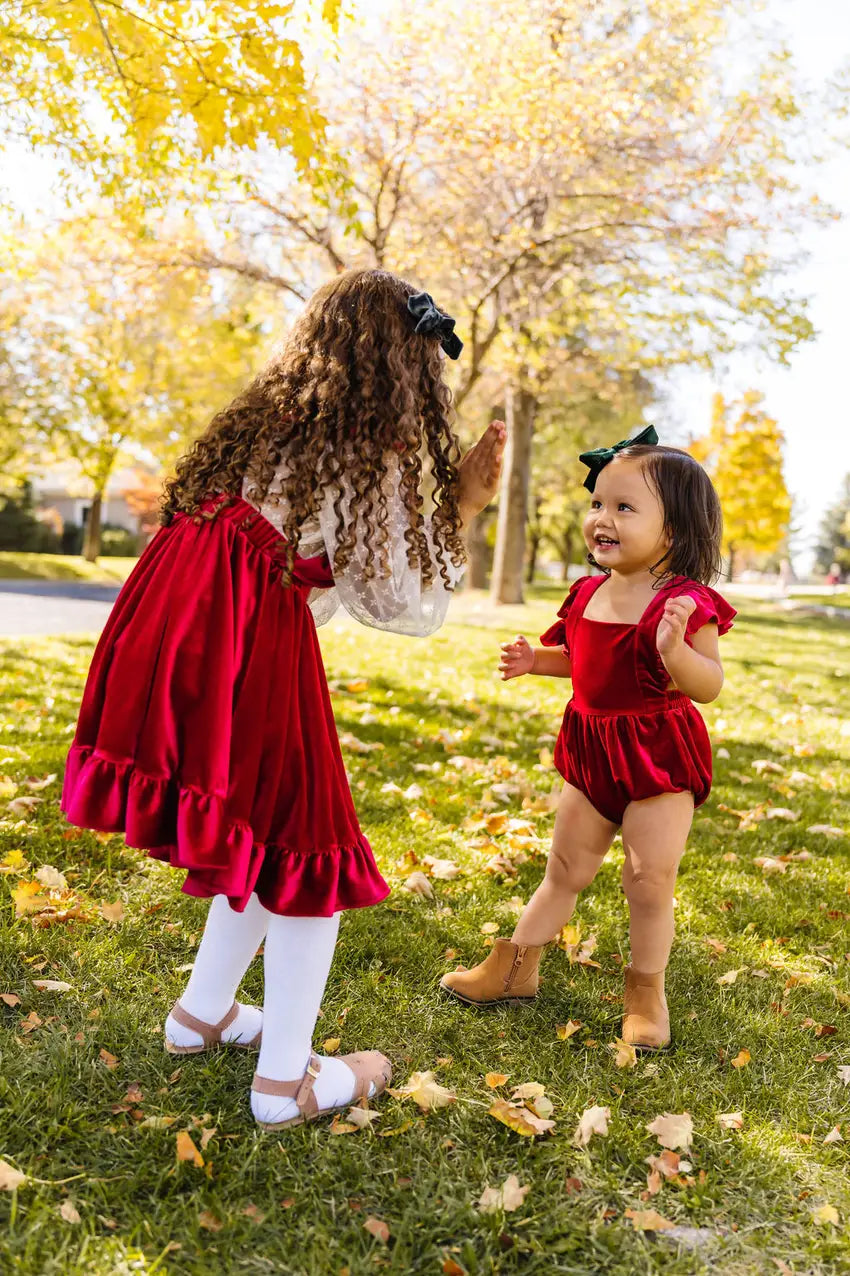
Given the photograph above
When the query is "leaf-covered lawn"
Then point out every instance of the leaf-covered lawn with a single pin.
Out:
(136, 1161)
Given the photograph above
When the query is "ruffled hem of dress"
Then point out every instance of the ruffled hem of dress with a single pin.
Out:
(190, 830)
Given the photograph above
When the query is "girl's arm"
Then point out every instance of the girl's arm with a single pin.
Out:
(696, 671)
(519, 657)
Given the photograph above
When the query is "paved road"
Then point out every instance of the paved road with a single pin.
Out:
(29, 607)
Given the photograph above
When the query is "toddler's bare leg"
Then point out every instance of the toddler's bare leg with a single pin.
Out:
(655, 833)
(579, 844)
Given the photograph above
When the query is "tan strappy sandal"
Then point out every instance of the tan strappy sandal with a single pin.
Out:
(370, 1067)
(209, 1032)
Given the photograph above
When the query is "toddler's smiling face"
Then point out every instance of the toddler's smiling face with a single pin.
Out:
(624, 528)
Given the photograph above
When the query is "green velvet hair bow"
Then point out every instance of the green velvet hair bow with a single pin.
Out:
(600, 456)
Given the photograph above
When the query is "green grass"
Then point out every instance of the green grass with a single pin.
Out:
(841, 598)
(753, 1193)
(15, 565)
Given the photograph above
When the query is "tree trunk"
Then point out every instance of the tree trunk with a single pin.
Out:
(520, 407)
(534, 541)
(730, 566)
(479, 550)
(91, 541)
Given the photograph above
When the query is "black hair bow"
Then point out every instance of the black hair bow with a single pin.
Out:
(431, 320)
(600, 456)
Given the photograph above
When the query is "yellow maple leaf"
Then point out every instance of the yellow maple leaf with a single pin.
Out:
(519, 1119)
(28, 898)
(424, 1089)
(742, 1058)
(186, 1150)
(494, 1079)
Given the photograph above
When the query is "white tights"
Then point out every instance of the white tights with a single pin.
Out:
(297, 958)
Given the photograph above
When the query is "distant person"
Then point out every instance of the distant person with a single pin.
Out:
(206, 733)
(833, 576)
(785, 576)
(640, 642)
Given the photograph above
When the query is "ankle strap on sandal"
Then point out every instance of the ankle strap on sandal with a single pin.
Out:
(210, 1033)
(301, 1091)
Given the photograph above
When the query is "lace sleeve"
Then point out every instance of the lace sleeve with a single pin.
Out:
(398, 602)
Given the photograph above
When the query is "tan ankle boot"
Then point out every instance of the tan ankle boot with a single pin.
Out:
(646, 1023)
(508, 973)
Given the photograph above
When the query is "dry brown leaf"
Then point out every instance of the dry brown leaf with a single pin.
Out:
(742, 1058)
(508, 1197)
(673, 1130)
(625, 1054)
(494, 1079)
(253, 1213)
(770, 865)
(112, 912)
(108, 1059)
(10, 1178)
(69, 1212)
(451, 1268)
(338, 1126)
(417, 883)
(377, 1228)
(520, 1119)
(207, 1219)
(731, 1120)
(31, 1022)
(592, 1121)
(10, 998)
(648, 1221)
(186, 1150)
(206, 1135)
(425, 1091)
(443, 870)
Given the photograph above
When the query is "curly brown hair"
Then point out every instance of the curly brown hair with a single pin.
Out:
(352, 390)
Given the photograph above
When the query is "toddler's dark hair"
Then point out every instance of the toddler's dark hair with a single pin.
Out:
(692, 516)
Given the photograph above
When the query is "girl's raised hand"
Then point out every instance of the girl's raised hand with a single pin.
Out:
(480, 470)
(517, 658)
(671, 628)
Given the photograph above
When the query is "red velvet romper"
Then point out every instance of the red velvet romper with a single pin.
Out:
(624, 737)
(206, 734)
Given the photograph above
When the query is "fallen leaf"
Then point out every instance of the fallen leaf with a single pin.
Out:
(157, 1122)
(331, 1045)
(338, 1126)
(31, 1022)
(625, 1055)
(844, 1073)
(112, 912)
(443, 870)
(770, 865)
(731, 975)
(826, 1214)
(592, 1121)
(673, 1130)
(490, 928)
(782, 813)
(497, 823)
(108, 1059)
(69, 1212)
(508, 1197)
(417, 883)
(37, 785)
(648, 1221)
(207, 1219)
(529, 1090)
(51, 985)
(206, 1135)
(10, 998)
(28, 898)
(23, 805)
(51, 878)
(253, 1213)
(573, 1186)
(835, 1135)
(186, 1150)
(494, 1079)
(826, 830)
(742, 1058)
(519, 1119)
(451, 1268)
(14, 862)
(10, 1178)
(731, 1120)
(425, 1091)
(377, 1228)
(362, 1118)
(566, 1030)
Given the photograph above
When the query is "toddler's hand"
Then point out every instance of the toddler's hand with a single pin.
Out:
(517, 658)
(671, 628)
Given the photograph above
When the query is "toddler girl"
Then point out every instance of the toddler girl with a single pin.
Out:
(640, 642)
(206, 734)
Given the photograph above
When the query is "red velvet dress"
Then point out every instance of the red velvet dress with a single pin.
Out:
(624, 736)
(206, 734)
